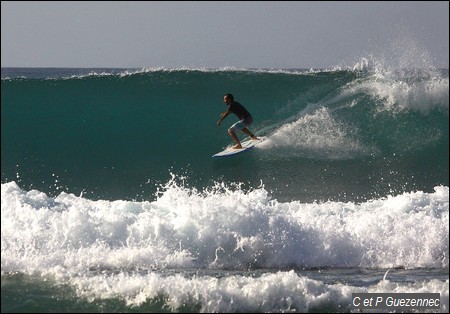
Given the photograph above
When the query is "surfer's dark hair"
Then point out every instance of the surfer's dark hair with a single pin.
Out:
(230, 96)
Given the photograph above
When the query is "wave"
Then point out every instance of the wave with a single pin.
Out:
(222, 227)
(109, 134)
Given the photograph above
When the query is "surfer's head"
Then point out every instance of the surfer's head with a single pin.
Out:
(228, 97)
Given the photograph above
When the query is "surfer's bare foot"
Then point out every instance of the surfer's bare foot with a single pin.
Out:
(237, 146)
(254, 138)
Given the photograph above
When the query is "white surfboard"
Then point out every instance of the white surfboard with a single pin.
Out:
(246, 145)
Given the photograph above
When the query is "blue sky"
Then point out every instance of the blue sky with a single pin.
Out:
(222, 34)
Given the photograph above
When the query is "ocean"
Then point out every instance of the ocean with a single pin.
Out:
(111, 200)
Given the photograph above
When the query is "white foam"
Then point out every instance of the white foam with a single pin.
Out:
(403, 90)
(283, 291)
(402, 76)
(317, 134)
(220, 228)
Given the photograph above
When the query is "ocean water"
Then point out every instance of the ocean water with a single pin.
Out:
(112, 202)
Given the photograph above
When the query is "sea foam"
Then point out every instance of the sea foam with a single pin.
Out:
(221, 227)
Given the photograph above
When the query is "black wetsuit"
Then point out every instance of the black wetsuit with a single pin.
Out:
(239, 110)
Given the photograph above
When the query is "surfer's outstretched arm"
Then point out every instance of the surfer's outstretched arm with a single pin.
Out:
(223, 116)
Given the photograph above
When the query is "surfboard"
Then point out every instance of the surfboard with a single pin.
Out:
(246, 145)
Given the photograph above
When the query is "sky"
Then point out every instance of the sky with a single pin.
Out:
(204, 34)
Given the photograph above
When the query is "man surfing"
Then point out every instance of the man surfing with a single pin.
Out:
(245, 119)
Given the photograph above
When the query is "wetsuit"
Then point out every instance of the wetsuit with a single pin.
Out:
(245, 118)
(239, 110)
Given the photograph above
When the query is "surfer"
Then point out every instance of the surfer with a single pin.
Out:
(245, 119)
